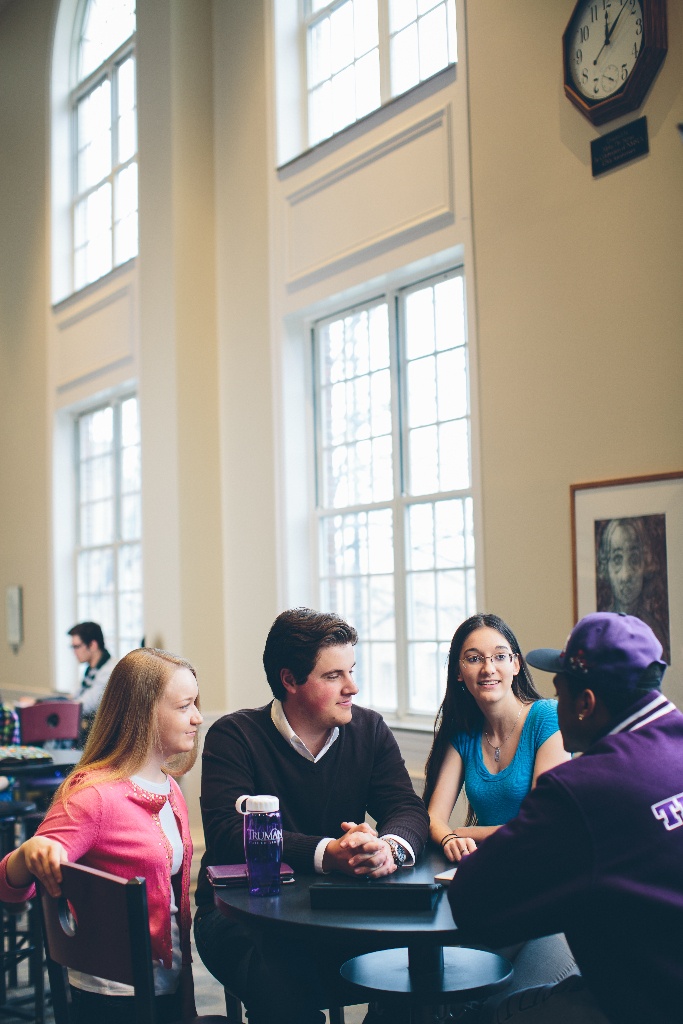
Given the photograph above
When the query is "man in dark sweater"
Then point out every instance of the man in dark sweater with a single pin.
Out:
(328, 762)
(597, 848)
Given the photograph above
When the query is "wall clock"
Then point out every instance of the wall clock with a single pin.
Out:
(612, 50)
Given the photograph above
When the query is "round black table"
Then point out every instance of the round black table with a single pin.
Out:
(426, 976)
(291, 911)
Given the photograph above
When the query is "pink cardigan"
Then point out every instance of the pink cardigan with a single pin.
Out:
(115, 827)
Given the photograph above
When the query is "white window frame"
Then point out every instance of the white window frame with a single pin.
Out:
(308, 19)
(108, 69)
(402, 499)
(114, 403)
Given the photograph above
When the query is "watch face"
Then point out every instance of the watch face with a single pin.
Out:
(606, 38)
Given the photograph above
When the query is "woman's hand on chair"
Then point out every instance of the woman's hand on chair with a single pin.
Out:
(457, 848)
(38, 857)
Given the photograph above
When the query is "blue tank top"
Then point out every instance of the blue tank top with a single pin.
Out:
(495, 799)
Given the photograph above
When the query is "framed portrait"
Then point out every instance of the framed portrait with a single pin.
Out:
(627, 553)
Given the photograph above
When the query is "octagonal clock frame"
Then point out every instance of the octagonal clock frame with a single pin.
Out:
(634, 90)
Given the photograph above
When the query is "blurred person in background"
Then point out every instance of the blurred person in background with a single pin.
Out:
(87, 643)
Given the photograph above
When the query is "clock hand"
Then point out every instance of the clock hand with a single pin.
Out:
(614, 24)
(607, 35)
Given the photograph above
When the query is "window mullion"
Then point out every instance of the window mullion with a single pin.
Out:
(310, 19)
(117, 517)
(400, 604)
(303, 72)
(77, 551)
(317, 425)
(322, 511)
(114, 85)
(86, 85)
(73, 163)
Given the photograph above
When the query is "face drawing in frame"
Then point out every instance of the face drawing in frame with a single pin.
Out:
(631, 575)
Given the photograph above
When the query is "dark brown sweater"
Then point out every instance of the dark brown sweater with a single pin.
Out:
(362, 771)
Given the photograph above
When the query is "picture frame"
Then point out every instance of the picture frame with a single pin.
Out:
(627, 555)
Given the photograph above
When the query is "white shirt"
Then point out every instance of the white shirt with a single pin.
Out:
(165, 981)
(94, 682)
(279, 718)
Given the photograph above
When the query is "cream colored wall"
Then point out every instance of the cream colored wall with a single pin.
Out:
(24, 447)
(178, 380)
(580, 303)
(245, 381)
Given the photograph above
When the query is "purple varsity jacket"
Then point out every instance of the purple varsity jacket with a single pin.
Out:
(596, 852)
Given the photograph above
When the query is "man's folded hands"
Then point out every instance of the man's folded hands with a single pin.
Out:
(359, 852)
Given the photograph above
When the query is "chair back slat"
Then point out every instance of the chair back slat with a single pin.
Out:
(141, 951)
(50, 720)
(100, 943)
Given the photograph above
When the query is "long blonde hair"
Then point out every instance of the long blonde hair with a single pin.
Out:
(126, 725)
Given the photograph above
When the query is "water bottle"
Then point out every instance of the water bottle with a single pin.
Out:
(262, 843)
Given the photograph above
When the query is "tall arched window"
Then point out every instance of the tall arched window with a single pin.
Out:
(104, 147)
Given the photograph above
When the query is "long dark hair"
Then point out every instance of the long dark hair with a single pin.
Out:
(459, 711)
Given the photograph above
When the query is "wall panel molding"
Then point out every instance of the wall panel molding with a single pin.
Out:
(95, 340)
(63, 325)
(361, 215)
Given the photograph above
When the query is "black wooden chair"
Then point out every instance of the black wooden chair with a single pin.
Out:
(100, 925)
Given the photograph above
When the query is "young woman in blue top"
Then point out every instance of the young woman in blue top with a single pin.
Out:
(494, 732)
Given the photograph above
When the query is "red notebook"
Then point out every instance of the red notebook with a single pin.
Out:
(233, 875)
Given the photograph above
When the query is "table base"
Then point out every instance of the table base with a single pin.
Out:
(429, 975)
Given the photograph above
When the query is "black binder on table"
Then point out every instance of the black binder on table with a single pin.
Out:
(374, 896)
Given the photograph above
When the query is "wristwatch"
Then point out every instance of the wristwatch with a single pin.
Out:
(397, 851)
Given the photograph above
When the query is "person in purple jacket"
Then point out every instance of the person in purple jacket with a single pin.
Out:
(596, 850)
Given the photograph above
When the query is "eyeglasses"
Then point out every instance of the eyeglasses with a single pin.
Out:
(74, 647)
(475, 660)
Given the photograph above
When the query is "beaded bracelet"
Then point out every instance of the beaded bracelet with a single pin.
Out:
(452, 835)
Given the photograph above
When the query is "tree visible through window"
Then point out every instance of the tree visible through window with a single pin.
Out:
(396, 533)
(105, 170)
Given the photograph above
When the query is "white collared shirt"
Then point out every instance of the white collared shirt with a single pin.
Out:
(277, 713)
(279, 718)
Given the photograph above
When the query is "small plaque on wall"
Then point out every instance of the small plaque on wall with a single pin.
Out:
(14, 617)
(620, 146)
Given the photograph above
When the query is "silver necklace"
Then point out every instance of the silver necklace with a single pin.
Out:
(496, 755)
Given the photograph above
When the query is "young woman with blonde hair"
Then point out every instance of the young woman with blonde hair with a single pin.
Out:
(121, 811)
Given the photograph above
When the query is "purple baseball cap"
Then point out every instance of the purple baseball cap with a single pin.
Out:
(606, 648)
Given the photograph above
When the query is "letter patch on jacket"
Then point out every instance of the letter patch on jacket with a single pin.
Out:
(670, 811)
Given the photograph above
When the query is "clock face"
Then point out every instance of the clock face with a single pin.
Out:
(604, 44)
